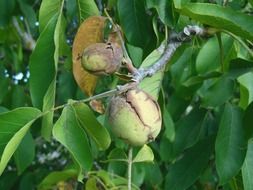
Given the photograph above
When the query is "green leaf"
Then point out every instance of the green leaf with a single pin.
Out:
(152, 85)
(166, 149)
(151, 179)
(89, 122)
(217, 94)
(117, 154)
(41, 62)
(29, 13)
(246, 89)
(25, 153)
(183, 173)
(86, 9)
(135, 54)
(49, 98)
(53, 178)
(134, 22)
(230, 144)
(208, 58)
(247, 121)
(187, 130)
(48, 10)
(220, 17)
(145, 154)
(27, 181)
(201, 78)
(4, 83)
(69, 133)
(247, 168)
(165, 11)
(13, 127)
(6, 9)
(19, 97)
(169, 125)
(91, 183)
(8, 180)
(47, 119)
(3, 109)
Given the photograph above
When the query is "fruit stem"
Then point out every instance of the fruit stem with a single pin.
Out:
(129, 170)
(128, 60)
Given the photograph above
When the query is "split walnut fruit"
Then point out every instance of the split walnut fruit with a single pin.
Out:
(135, 117)
(102, 58)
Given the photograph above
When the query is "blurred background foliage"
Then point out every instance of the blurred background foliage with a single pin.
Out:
(206, 96)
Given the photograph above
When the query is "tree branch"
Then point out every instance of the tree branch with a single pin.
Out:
(27, 39)
(174, 42)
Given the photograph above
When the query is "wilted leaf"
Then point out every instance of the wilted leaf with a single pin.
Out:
(89, 32)
(98, 106)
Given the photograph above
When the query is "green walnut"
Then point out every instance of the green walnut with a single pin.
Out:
(135, 117)
(102, 58)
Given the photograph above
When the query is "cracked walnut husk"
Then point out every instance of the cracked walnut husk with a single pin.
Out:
(102, 58)
(135, 117)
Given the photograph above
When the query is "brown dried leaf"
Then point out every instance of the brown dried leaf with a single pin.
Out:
(89, 32)
(98, 106)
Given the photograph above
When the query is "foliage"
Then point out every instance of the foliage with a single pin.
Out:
(50, 140)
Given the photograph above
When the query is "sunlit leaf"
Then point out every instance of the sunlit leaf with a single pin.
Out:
(86, 9)
(94, 129)
(246, 89)
(13, 127)
(69, 133)
(49, 98)
(48, 10)
(145, 154)
(41, 62)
